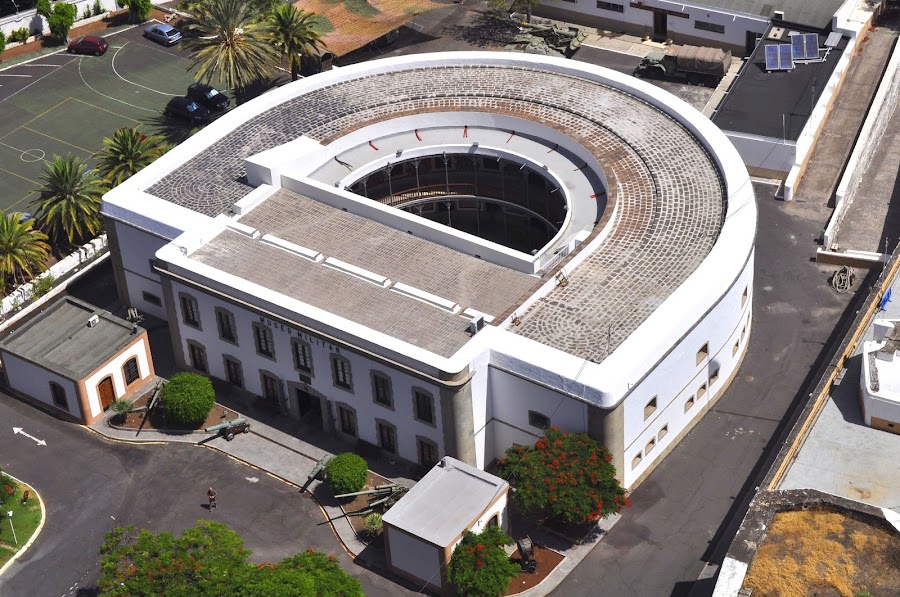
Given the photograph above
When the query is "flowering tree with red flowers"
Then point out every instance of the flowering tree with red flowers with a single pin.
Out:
(568, 475)
(479, 566)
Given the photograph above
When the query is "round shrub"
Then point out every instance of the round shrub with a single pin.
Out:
(373, 523)
(188, 397)
(347, 473)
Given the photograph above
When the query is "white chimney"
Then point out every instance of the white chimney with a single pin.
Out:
(94, 320)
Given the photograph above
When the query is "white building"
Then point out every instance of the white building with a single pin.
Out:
(731, 24)
(424, 527)
(444, 254)
(879, 390)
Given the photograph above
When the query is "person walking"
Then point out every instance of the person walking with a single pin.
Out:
(211, 494)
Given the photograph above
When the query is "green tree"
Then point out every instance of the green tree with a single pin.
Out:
(126, 153)
(228, 43)
(347, 473)
(479, 566)
(188, 397)
(61, 20)
(568, 475)
(69, 205)
(2, 42)
(138, 10)
(44, 8)
(23, 250)
(292, 31)
(210, 560)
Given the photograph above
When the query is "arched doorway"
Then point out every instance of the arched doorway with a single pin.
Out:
(106, 392)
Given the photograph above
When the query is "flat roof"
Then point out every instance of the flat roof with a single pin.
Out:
(445, 502)
(813, 13)
(776, 104)
(59, 338)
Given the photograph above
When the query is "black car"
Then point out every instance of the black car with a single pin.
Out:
(185, 107)
(208, 96)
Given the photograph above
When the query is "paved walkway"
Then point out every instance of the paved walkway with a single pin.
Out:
(273, 446)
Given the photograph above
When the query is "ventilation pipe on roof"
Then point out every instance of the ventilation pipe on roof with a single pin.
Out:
(778, 15)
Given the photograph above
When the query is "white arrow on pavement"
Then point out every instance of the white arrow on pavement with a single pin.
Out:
(20, 431)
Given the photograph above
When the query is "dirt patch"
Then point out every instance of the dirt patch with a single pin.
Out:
(156, 421)
(547, 560)
(825, 553)
(361, 503)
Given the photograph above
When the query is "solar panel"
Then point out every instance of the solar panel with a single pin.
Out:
(833, 39)
(785, 62)
(771, 57)
(798, 50)
(811, 41)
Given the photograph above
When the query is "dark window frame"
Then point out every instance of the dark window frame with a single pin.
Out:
(424, 442)
(301, 352)
(226, 326)
(417, 415)
(197, 352)
(388, 389)
(391, 429)
(341, 372)
(58, 394)
(347, 415)
(230, 360)
(126, 372)
(610, 6)
(711, 27)
(262, 335)
(151, 298)
(190, 310)
(535, 418)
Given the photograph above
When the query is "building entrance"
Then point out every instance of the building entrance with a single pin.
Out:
(310, 408)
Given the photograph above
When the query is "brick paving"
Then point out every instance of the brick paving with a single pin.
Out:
(670, 195)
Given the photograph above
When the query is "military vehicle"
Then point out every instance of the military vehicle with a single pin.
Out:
(697, 66)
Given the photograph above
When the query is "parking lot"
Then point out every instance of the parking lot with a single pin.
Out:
(62, 103)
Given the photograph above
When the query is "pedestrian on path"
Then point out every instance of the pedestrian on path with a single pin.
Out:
(211, 494)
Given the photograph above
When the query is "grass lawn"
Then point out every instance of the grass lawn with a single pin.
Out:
(25, 520)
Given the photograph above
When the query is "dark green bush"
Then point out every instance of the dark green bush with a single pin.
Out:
(2, 42)
(21, 34)
(98, 8)
(188, 397)
(347, 473)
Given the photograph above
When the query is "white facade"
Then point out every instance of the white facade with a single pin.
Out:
(29, 19)
(640, 399)
(114, 369)
(33, 380)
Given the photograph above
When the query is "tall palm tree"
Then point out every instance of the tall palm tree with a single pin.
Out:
(229, 42)
(23, 250)
(127, 153)
(292, 32)
(69, 205)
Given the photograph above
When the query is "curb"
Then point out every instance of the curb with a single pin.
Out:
(37, 531)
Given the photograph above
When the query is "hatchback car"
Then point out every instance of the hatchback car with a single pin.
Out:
(185, 107)
(162, 33)
(89, 44)
(208, 96)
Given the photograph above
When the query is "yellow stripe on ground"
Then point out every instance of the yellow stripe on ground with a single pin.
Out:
(104, 109)
(87, 151)
(44, 113)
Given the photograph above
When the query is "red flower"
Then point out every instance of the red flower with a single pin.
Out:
(479, 564)
(479, 547)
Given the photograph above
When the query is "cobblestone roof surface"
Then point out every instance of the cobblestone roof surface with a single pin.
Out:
(670, 195)
(402, 257)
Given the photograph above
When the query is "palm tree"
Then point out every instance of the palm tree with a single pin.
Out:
(229, 42)
(127, 153)
(69, 205)
(23, 250)
(291, 30)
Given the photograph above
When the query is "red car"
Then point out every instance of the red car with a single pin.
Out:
(89, 44)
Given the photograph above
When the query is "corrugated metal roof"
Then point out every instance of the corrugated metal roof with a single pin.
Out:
(814, 13)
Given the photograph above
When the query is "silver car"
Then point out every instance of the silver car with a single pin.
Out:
(162, 33)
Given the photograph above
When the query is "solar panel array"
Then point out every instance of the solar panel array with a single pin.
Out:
(779, 57)
(805, 46)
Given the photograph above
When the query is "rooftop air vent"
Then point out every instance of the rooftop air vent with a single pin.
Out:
(94, 320)
(778, 15)
(476, 325)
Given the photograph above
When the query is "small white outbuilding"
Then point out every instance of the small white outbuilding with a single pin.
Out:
(422, 529)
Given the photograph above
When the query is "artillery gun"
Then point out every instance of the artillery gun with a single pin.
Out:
(229, 428)
(381, 497)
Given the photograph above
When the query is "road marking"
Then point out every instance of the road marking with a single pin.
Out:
(21, 151)
(45, 112)
(87, 151)
(75, 99)
(53, 65)
(19, 431)
(137, 84)
(14, 93)
(252, 479)
(26, 76)
(20, 176)
(115, 99)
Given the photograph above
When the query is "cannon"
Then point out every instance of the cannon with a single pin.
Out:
(383, 496)
(526, 551)
(229, 428)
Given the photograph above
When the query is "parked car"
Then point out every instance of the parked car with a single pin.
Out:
(88, 44)
(162, 33)
(185, 107)
(208, 96)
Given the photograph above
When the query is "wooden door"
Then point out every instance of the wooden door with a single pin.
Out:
(660, 26)
(106, 392)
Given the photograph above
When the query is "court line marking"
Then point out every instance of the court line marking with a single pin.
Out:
(44, 113)
(21, 151)
(88, 85)
(15, 93)
(55, 139)
(53, 65)
(22, 177)
(132, 82)
(23, 76)
(75, 99)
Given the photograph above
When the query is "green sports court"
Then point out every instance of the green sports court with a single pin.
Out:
(61, 103)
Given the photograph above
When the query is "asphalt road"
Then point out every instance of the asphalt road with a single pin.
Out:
(90, 484)
(683, 514)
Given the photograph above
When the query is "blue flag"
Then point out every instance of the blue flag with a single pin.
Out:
(885, 300)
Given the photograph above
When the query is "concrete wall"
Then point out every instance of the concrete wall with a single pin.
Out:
(414, 557)
(34, 381)
(135, 250)
(360, 399)
(764, 156)
(139, 349)
(38, 24)
(639, 21)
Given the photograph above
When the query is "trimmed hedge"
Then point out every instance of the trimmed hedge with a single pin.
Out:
(347, 473)
(188, 397)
